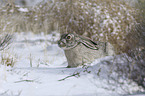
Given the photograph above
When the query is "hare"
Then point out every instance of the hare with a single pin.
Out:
(79, 50)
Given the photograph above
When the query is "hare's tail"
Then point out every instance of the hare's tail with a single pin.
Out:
(5, 41)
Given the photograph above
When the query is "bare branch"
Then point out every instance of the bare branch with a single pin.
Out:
(5, 41)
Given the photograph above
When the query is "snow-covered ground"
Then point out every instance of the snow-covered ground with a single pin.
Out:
(40, 70)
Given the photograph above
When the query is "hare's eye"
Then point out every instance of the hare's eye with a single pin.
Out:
(68, 37)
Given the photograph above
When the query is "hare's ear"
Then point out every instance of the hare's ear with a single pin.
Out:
(90, 44)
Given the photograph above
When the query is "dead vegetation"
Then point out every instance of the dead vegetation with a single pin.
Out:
(8, 59)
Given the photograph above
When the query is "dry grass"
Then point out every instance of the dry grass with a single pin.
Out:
(14, 18)
(7, 59)
(103, 20)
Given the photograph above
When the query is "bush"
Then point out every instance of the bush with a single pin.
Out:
(113, 21)
(25, 19)
(103, 20)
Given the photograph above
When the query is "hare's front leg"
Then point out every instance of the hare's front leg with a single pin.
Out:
(73, 58)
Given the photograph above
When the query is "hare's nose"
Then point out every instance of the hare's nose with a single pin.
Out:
(61, 44)
(63, 41)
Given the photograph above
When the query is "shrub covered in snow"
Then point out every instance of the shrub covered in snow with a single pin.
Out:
(104, 20)
(113, 21)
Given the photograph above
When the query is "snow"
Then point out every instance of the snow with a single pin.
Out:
(23, 10)
(40, 68)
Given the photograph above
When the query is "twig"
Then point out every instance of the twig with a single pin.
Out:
(24, 81)
(78, 74)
